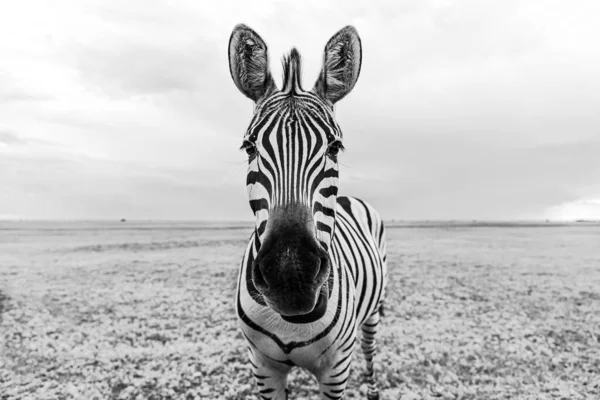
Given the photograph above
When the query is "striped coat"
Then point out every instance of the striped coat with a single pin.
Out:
(314, 272)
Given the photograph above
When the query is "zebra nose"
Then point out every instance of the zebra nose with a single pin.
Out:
(277, 273)
(288, 272)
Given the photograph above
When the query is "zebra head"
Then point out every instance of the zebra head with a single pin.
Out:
(292, 144)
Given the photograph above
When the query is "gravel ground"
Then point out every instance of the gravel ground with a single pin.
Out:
(145, 311)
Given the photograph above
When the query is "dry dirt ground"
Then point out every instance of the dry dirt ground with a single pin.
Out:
(144, 311)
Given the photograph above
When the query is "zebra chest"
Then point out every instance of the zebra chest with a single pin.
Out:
(306, 349)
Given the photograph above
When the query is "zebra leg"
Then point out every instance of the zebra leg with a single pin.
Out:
(332, 382)
(271, 379)
(369, 346)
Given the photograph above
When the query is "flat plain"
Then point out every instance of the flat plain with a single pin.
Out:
(144, 310)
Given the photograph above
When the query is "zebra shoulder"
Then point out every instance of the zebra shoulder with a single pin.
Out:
(361, 211)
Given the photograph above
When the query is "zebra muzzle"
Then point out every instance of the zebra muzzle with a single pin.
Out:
(298, 291)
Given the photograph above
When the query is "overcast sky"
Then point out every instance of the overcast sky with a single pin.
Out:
(463, 110)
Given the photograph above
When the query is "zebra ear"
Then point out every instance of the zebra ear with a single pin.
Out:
(341, 65)
(249, 63)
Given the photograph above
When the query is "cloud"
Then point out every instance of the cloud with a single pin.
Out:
(22, 96)
(7, 137)
(10, 139)
(582, 209)
(471, 109)
(120, 68)
(446, 177)
(13, 91)
(80, 187)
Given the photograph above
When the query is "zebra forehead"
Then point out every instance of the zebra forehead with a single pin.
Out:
(298, 114)
(297, 122)
(306, 103)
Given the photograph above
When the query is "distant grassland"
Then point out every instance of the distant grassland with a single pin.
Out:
(145, 311)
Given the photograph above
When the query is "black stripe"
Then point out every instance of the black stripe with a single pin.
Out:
(331, 173)
(329, 212)
(369, 222)
(322, 227)
(329, 191)
(260, 204)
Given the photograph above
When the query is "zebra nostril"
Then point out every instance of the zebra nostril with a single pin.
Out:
(317, 270)
(258, 278)
(322, 270)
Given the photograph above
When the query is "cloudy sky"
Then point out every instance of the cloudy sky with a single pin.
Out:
(464, 109)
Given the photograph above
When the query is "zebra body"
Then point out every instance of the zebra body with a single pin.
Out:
(314, 271)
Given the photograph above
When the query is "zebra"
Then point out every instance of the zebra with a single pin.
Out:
(314, 270)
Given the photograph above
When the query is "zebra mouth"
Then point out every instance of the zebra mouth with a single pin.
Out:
(316, 313)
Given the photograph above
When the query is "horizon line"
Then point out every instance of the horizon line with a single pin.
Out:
(389, 220)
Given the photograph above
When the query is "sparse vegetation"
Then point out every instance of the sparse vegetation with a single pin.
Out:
(126, 312)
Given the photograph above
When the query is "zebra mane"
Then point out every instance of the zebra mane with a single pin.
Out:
(292, 73)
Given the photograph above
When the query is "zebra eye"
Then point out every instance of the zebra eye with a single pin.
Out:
(334, 148)
(250, 148)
